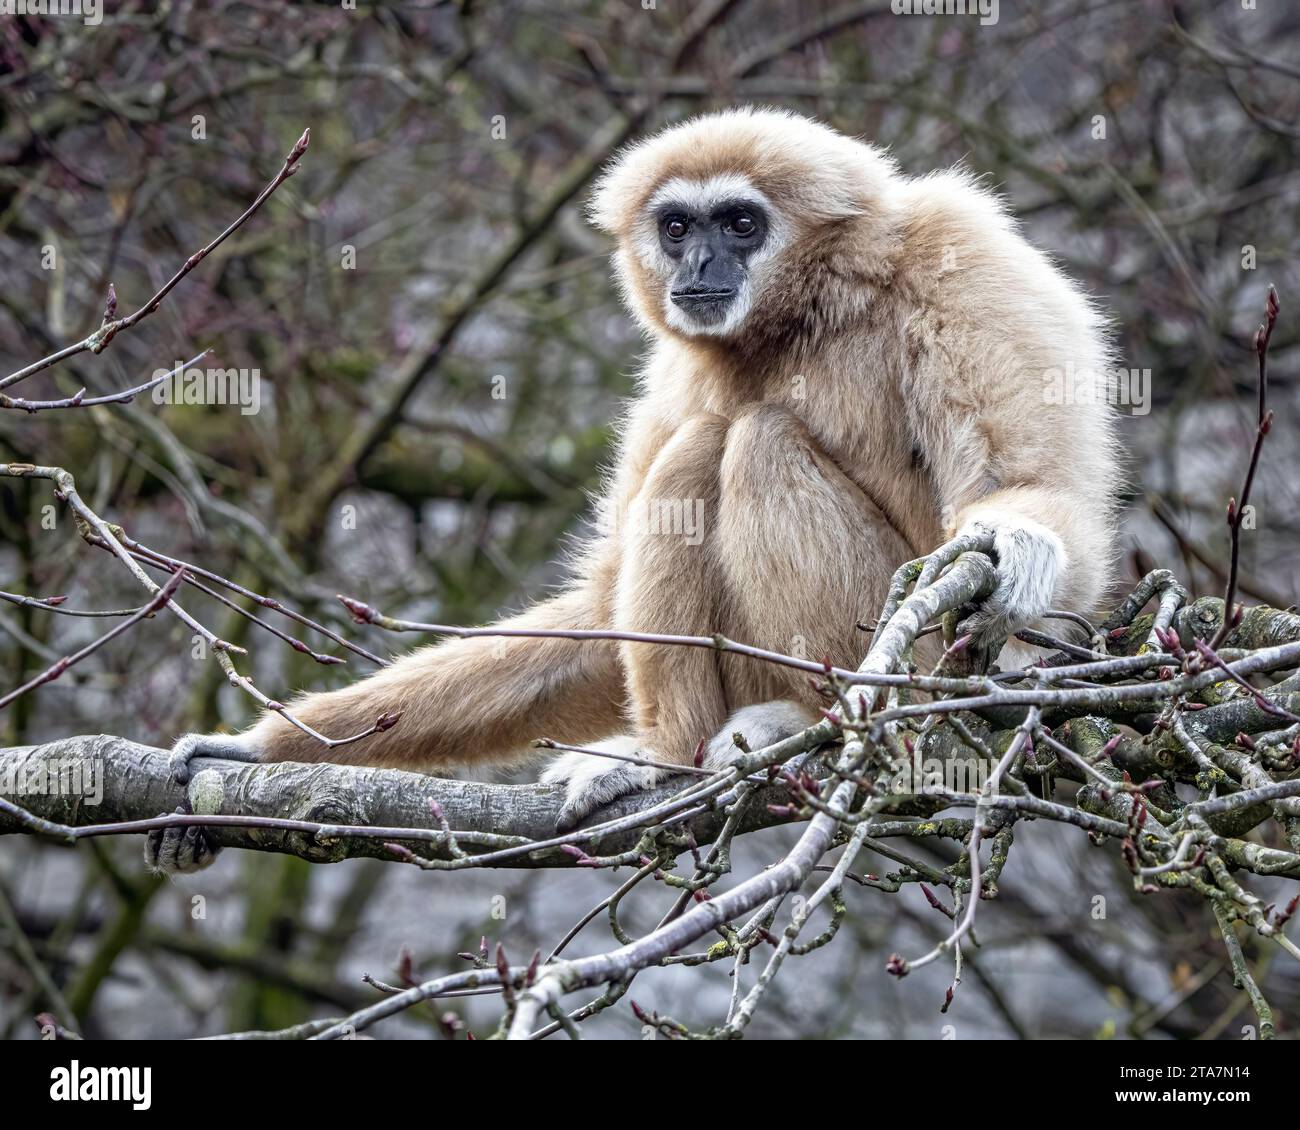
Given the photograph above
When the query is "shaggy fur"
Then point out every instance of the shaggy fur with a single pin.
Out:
(883, 390)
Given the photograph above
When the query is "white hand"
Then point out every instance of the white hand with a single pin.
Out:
(1031, 560)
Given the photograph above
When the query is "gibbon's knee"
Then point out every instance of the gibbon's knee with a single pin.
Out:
(764, 439)
(687, 465)
(775, 478)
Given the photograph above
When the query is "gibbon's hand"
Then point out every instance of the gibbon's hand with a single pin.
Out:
(228, 747)
(169, 851)
(179, 851)
(1030, 562)
(591, 782)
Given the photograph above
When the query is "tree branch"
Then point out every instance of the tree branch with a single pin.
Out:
(96, 785)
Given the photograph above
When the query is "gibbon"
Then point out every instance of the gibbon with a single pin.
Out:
(847, 366)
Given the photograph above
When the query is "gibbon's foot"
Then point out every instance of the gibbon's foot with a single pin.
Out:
(761, 725)
(230, 747)
(592, 782)
(171, 851)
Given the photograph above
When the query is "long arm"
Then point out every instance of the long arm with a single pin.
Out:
(478, 699)
(1010, 391)
(468, 700)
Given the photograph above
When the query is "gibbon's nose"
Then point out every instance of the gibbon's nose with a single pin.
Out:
(697, 284)
(705, 269)
(698, 256)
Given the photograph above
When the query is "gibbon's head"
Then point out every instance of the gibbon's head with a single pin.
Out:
(719, 219)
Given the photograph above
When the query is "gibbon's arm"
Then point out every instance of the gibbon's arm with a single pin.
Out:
(466, 700)
(477, 699)
(480, 699)
(1016, 451)
(1041, 478)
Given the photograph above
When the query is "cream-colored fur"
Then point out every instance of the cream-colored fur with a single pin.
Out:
(884, 389)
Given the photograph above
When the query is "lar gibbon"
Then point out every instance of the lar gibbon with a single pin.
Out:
(847, 365)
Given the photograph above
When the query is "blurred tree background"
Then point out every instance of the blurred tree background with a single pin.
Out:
(442, 354)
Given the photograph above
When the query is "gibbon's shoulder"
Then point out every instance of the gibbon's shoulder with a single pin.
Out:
(954, 224)
(960, 240)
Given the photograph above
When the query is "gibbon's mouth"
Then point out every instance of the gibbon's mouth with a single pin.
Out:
(688, 299)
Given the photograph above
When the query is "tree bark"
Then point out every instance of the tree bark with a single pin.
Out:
(103, 779)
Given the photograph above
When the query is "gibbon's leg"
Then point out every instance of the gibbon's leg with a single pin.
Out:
(466, 700)
(805, 555)
(793, 555)
(668, 583)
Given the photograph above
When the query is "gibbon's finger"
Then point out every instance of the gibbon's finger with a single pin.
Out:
(591, 782)
(172, 851)
(229, 747)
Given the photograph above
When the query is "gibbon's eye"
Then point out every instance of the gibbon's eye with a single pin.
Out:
(675, 227)
(742, 224)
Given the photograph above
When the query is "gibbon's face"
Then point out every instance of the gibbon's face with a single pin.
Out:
(709, 239)
(722, 220)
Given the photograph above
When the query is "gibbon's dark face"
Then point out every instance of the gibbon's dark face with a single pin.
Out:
(711, 249)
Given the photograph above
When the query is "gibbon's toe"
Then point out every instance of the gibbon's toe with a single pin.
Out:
(591, 782)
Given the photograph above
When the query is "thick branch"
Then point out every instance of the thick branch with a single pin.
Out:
(363, 809)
